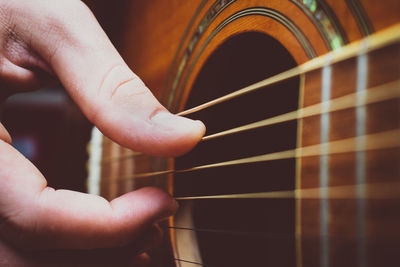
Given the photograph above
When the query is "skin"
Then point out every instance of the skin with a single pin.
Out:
(42, 41)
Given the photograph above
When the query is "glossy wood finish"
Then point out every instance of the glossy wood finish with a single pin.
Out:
(344, 242)
(155, 45)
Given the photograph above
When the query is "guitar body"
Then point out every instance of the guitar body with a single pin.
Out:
(304, 203)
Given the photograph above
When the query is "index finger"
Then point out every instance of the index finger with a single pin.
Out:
(99, 81)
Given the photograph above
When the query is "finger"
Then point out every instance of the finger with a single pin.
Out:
(36, 216)
(101, 83)
(149, 239)
(21, 69)
(18, 79)
(4, 135)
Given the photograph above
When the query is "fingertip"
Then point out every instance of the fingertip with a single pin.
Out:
(180, 134)
(145, 205)
(4, 135)
(140, 209)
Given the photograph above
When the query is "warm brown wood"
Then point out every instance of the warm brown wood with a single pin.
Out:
(381, 166)
(157, 36)
(153, 37)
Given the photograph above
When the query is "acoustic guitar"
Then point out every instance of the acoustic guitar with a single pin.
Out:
(300, 164)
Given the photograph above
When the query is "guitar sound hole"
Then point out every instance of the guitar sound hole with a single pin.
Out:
(242, 232)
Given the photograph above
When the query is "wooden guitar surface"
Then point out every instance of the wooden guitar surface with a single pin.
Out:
(302, 169)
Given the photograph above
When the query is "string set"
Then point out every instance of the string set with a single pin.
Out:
(375, 191)
(374, 42)
(380, 93)
(382, 140)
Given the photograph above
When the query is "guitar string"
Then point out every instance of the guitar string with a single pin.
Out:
(368, 44)
(211, 103)
(374, 42)
(288, 74)
(389, 190)
(192, 262)
(385, 191)
(242, 233)
(381, 191)
(381, 140)
(375, 94)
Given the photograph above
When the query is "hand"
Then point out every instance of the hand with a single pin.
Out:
(45, 40)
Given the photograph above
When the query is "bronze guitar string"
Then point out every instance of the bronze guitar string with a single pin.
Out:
(382, 140)
(371, 43)
(375, 191)
(376, 141)
(376, 94)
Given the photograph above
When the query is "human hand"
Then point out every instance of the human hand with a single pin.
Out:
(45, 40)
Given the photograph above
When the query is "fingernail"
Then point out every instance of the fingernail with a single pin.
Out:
(173, 208)
(168, 121)
(174, 205)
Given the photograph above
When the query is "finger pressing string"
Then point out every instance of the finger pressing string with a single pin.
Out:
(99, 81)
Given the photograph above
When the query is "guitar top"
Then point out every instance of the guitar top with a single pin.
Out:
(300, 165)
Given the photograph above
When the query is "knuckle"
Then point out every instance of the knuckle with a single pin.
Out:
(60, 24)
(117, 79)
(61, 15)
(7, 24)
(6, 8)
(58, 16)
(4, 11)
(136, 88)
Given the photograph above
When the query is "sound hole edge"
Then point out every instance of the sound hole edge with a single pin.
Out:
(242, 60)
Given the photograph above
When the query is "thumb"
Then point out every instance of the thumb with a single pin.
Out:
(100, 82)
